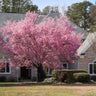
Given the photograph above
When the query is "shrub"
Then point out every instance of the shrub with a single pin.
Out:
(93, 78)
(49, 80)
(81, 77)
(2, 79)
(66, 75)
(55, 74)
(63, 76)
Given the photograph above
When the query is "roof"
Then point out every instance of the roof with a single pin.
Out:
(78, 29)
(11, 16)
(18, 16)
(87, 43)
(53, 14)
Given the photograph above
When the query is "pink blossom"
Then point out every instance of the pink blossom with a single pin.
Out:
(49, 43)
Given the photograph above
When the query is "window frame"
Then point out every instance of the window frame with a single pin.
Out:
(49, 70)
(92, 68)
(5, 67)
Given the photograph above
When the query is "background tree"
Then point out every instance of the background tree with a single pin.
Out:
(46, 10)
(29, 43)
(78, 13)
(92, 12)
(5, 5)
(18, 6)
(49, 9)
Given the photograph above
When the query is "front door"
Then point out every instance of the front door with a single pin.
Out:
(25, 73)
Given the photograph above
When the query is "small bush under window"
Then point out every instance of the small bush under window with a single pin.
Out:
(81, 77)
(66, 75)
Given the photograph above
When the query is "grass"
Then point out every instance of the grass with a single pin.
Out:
(30, 89)
(34, 91)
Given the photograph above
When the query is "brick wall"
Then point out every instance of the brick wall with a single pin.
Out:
(90, 56)
(12, 75)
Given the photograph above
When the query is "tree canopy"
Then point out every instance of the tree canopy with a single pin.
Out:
(49, 9)
(78, 13)
(29, 43)
(17, 6)
(92, 13)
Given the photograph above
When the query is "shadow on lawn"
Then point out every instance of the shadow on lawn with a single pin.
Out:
(13, 84)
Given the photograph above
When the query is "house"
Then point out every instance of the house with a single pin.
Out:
(23, 73)
(87, 54)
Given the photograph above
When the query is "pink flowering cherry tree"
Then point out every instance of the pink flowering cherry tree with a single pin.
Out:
(33, 44)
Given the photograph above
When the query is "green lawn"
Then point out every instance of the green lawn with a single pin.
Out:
(28, 89)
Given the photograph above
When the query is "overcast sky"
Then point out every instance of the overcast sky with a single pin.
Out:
(43, 3)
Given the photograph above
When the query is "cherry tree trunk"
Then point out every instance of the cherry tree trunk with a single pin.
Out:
(40, 73)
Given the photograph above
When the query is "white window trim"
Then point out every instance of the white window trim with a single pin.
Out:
(92, 69)
(5, 68)
(48, 72)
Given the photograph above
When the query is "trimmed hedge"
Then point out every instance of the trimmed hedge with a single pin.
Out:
(2, 78)
(81, 77)
(63, 76)
(66, 75)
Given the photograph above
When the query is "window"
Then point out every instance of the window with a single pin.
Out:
(4, 67)
(48, 71)
(65, 66)
(82, 54)
(92, 68)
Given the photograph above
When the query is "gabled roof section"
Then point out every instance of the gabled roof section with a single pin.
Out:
(87, 43)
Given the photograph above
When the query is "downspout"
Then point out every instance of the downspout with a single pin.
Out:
(78, 62)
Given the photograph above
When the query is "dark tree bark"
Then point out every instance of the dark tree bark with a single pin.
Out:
(40, 73)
